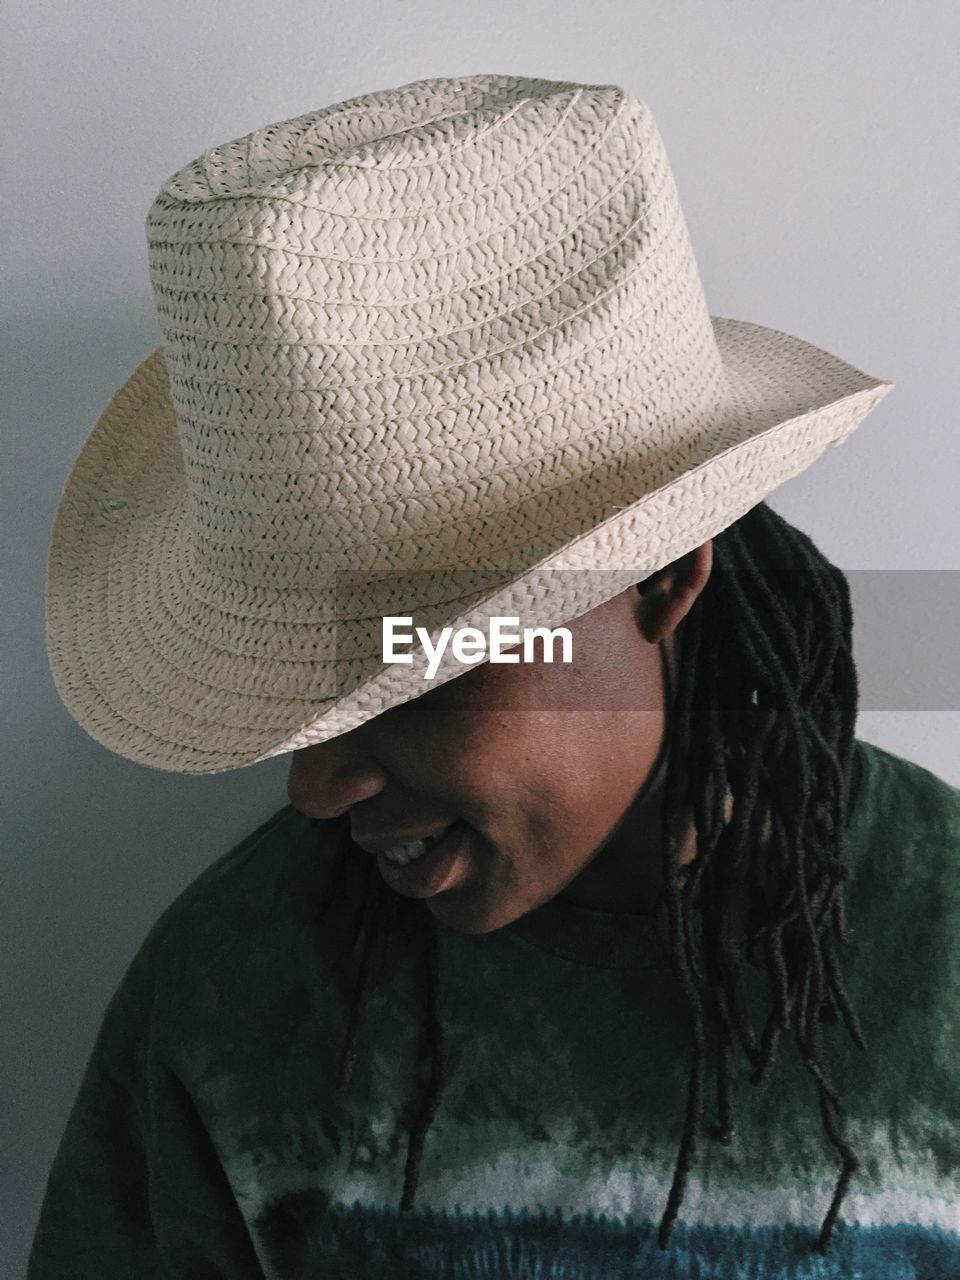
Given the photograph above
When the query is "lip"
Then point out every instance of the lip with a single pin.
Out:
(380, 844)
(432, 873)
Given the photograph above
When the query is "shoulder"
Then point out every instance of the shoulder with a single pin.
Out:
(897, 802)
(210, 968)
(903, 900)
(251, 901)
(888, 780)
(904, 819)
(904, 826)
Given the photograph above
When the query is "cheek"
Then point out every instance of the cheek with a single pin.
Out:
(542, 789)
(550, 830)
(570, 813)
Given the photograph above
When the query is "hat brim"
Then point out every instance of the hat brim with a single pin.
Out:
(156, 664)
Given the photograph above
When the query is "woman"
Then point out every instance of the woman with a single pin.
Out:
(548, 967)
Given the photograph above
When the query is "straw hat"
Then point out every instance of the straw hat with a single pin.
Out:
(440, 351)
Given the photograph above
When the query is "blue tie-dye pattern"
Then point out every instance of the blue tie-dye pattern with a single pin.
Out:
(305, 1236)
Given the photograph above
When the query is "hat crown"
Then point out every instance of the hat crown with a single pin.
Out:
(454, 323)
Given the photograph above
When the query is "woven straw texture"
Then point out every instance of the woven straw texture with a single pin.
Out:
(440, 351)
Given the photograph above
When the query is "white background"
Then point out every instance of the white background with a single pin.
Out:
(815, 148)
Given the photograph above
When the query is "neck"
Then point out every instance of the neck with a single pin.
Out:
(626, 875)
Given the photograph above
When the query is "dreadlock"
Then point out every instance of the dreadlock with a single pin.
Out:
(764, 711)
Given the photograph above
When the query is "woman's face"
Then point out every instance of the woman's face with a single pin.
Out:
(540, 761)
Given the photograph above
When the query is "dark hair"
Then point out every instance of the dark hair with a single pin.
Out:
(765, 709)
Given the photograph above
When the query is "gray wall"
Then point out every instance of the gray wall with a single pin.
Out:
(815, 149)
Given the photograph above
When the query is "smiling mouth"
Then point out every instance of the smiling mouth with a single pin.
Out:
(401, 854)
(430, 866)
(404, 849)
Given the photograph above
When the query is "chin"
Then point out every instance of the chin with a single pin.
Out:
(459, 911)
(464, 917)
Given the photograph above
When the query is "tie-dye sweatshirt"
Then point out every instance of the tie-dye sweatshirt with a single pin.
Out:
(208, 1137)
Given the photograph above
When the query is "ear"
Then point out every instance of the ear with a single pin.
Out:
(668, 595)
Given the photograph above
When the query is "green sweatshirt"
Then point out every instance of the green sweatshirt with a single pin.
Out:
(208, 1138)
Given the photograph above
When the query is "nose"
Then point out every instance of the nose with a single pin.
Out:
(327, 778)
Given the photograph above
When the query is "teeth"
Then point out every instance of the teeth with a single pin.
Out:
(402, 853)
